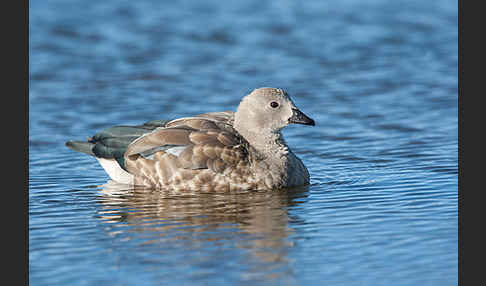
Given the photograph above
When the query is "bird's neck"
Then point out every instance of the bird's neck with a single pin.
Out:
(268, 144)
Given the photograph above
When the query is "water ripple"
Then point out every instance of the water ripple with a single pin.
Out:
(378, 77)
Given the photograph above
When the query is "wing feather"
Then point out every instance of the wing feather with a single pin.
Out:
(201, 144)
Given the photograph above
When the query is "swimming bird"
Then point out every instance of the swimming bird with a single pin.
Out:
(215, 151)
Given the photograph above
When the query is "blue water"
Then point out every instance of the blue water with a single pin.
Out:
(378, 77)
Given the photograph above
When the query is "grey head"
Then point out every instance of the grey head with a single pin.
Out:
(264, 112)
(268, 109)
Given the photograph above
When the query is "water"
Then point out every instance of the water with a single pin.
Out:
(378, 77)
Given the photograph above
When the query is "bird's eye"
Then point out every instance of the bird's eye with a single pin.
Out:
(274, 104)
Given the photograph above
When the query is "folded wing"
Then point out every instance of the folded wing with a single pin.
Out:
(190, 143)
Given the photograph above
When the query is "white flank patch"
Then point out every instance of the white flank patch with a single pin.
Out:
(115, 172)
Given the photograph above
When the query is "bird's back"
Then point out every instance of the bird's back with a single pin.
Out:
(202, 152)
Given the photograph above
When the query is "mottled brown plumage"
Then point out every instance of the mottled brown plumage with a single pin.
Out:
(210, 157)
(218, 151)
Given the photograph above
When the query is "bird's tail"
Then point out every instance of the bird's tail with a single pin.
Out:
(81, 146)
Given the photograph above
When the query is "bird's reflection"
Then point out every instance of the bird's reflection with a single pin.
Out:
(257, 222)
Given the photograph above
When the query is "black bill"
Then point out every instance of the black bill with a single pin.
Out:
(300, 118)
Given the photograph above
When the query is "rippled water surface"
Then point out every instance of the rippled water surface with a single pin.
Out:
(378, 77)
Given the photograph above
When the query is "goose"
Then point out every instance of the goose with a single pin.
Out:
(214, 151)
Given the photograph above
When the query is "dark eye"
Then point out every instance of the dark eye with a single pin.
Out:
(274, 104)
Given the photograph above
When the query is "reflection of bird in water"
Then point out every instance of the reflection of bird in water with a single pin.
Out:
(216, 151)
(255, 221)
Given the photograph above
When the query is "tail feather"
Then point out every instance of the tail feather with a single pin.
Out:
(80, 146)
(110, 144)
